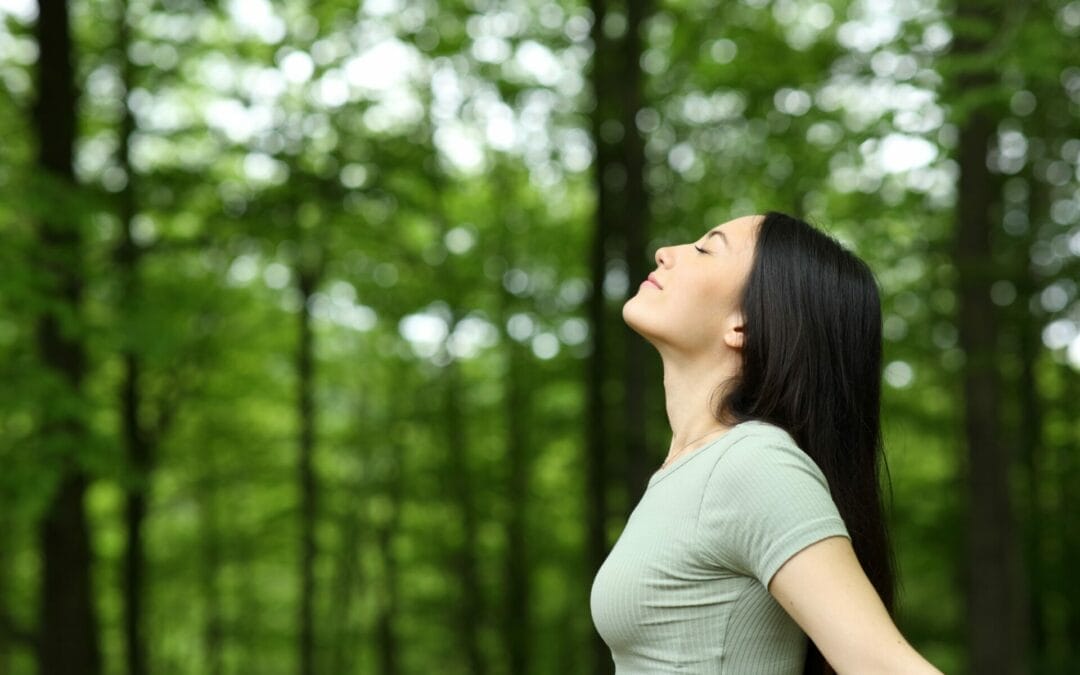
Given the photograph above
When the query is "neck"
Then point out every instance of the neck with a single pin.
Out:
(688, 385)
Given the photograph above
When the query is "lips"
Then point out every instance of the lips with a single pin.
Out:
(652, 278)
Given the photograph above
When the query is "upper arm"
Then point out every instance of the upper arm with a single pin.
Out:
(826, 592)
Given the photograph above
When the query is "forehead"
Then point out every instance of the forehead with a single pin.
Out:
(737, 229)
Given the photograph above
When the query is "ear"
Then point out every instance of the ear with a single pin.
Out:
(734, 335)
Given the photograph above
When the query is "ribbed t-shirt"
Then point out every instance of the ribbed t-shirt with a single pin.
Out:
(684, 589)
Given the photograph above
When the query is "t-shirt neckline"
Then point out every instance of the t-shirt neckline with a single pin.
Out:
(660, 474)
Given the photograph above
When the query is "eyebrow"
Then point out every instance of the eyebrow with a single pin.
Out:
(717, 232)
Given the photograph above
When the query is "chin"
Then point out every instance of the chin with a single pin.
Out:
(629, 312)
(638, 320)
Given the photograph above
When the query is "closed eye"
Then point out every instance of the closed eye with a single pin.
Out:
(700, 250)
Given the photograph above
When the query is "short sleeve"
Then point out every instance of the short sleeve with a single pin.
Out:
(764, 501)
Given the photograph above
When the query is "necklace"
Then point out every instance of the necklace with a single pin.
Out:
(672, 458)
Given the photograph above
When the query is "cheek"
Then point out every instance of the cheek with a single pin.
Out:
(713, 296)
(724, 292)
(703, 310)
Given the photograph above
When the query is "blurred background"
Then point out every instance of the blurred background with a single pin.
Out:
(310, 332)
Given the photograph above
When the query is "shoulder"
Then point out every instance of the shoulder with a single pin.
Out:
(767, 450)
(763, 432)
(764, 500)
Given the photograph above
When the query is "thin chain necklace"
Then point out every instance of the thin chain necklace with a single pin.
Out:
(672, 458)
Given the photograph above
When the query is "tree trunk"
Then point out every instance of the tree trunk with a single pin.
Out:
(213, 638)
(138, 444)
(596, 432)
(389, 597)
(307, 283)
(344, 587)
(67, 616)
(517, 625)
(470, 611)
(1069, 486)
(991, 602)
(992, 575)
(516, 615)
(347, 571)
(68, 626)
(1030, 424)
(634, 222)
(620, 222)
(5, 573)
(139, 451)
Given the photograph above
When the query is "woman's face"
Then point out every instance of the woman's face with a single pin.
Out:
(695, 309)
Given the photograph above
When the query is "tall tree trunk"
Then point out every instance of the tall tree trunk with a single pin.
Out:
(596, 431)
(344, 587)
(516, 618)
(517, 625)
(213, 634)
(5, 573)
(139, 452)
(68, 625)
(620, 222)
(138, 444)
(1031, 442)
(347, 572)
(307, 283)
(470, 612)
(991, 594)
(389, 595)
(1068, 507)
(68, 617)
(634, 220)
(1030, 423)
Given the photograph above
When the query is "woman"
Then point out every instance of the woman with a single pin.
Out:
(764, 525)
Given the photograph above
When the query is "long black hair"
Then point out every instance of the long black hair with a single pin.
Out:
(811, 364)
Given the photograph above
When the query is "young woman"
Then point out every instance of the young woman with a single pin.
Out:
(764, 526)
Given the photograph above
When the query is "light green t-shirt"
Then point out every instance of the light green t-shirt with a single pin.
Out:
(684, 589)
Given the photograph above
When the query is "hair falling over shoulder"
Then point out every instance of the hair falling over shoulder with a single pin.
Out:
(812, 366)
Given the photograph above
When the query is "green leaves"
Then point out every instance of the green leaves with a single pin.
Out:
(440, 203)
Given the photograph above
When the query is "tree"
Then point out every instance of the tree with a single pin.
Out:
(67, 615)
(993, 610)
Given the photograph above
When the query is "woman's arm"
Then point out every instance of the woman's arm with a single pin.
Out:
(826, 592)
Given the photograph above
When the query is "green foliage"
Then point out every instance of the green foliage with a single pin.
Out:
(439, 194)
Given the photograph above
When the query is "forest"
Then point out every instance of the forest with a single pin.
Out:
(310, 332)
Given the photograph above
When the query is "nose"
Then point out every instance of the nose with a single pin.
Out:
(661, 253)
